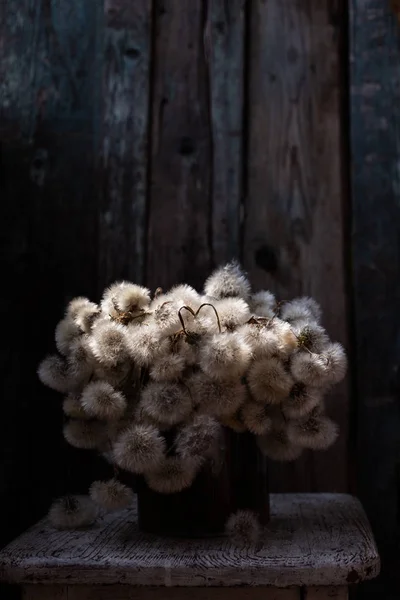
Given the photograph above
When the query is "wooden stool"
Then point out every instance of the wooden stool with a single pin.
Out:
(314, 547)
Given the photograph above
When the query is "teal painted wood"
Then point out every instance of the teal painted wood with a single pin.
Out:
(293, 231)
(375, 148)
(126, 60)
(49, 231)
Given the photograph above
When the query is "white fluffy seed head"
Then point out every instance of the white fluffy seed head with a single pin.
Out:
(185, 295)
(125, 297)
(256, 418)
(114, 374)
(67, 332)
(197, 439)
(111, 495)
(173, 475)
(145, 344)
(168, 368)
(87, 435)
(72, 512)
(336, 360)
(311, 369)
(108, 343)
(166, 317)
(301, 401)
(139, 448)
(315, 431)
(276, 445)
(232, 312)
(263, 304)
(73, 408)
(166, 403)
(268, 381)
(301, 309)
(243, 528)
(86, 316)
(76, 305)
(100, 400)
(262, 340)
(224, 355)
(287, 339)
(80, 361)
(310, 336)
(228, 281)
(53, 372)
(216, 397)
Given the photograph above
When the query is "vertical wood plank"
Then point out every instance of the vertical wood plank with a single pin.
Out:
(180, 201)
(293, 232)
(48, 94)
(126, 84)
(225, 47)
(196, 139)
(375, 146)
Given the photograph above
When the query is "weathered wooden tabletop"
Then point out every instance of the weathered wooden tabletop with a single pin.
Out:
(312, 539)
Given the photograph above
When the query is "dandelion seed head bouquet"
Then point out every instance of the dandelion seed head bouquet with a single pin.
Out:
(150, 382)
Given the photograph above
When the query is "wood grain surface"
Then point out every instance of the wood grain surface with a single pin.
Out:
(125, 592)
(321, 539)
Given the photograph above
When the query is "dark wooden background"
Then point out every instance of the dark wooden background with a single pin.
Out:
(153, 140)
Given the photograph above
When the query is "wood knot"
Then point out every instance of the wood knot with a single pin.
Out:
(132, 53)
(186, 146)
(353, 577)
(266, 259)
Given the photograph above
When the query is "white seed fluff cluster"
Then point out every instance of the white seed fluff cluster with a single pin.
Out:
(151, 380)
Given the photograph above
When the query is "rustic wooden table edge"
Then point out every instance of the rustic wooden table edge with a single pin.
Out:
(312, 540)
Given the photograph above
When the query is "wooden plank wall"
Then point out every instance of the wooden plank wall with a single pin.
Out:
(375, 143)
(153, 140)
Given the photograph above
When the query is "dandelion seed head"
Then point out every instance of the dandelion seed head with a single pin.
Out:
(268, 381)
(243, 528)
(263, 304)
(53, 372)
(109, 343)
(173, 475)
(316, 432)
(100, 400)
(72, 512)
(303, 309)
(276, 445)
(224, 355)
(166, 402)
(111, 495)
(216, 397)
(228, 281)
(310, 369)
(139, 448)
(89, 435)
(66, 333)
(168, 368)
